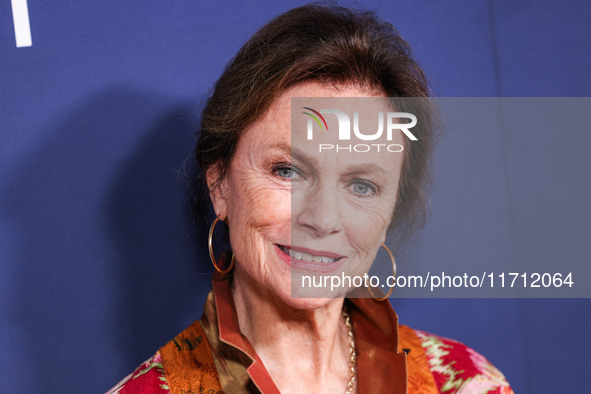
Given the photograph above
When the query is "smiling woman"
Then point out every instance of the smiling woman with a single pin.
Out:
(289, 207)
(292, 210)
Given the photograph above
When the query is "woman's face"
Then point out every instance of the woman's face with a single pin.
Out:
(293, 209)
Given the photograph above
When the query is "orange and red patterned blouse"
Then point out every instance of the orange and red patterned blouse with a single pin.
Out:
(212, 356)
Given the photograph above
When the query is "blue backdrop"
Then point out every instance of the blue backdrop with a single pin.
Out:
(100, 263)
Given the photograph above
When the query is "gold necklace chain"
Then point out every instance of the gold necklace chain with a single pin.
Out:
(352, 354)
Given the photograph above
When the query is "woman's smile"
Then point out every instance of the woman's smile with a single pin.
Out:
(304, 259)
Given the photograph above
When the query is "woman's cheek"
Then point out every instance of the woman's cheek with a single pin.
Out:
(262, 205)
(365, 220)
(365, 231)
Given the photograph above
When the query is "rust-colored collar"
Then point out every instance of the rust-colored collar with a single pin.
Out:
(381, 368)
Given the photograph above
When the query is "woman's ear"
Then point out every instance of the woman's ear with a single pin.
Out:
(383, 238)
(215, 184)
(384, 235)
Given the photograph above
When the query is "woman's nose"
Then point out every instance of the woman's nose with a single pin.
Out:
(319, 211)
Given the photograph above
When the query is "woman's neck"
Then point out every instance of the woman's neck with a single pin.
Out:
(305, 347)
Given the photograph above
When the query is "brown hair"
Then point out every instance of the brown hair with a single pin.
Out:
(328, 44)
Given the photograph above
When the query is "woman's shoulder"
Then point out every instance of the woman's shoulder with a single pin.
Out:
(458, 368)
(149, 377)
(184, 364)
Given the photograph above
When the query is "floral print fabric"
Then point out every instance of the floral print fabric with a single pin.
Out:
(456, 368)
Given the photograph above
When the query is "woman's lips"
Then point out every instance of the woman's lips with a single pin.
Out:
(310, 255)
(310, 260)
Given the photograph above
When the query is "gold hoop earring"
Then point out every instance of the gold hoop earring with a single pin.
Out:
(211, 256)
(393, 276)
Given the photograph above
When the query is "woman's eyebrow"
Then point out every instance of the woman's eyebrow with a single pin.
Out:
(296, 153)
(366, 168)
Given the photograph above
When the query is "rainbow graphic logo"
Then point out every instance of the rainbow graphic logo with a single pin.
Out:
(316, 118)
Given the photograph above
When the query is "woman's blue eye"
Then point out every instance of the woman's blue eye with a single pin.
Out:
(363, 189)
(285, 173)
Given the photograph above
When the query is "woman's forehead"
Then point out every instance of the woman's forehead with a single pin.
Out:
(277, 118)
(280, 127)
(319, 89)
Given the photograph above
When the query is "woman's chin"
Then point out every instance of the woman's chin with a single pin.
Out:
(307, 300)
(311, 303)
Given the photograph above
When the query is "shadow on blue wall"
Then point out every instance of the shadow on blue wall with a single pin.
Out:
(132, 239)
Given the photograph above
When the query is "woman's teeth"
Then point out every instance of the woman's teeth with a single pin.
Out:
(308, 257)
